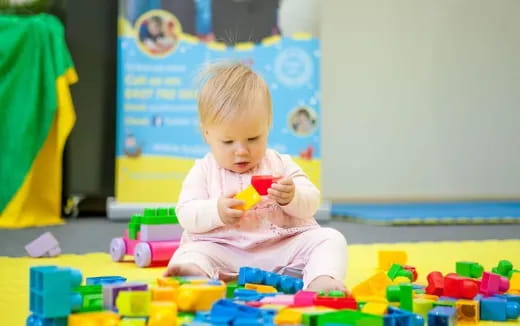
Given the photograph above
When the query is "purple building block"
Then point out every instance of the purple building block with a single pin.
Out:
(110, 292)
(45, 245)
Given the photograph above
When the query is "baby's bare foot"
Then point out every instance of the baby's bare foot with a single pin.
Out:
(184, 270)
(326, 284)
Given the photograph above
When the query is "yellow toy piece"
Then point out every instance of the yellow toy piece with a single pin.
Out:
(422, 306)
(195, 297)
(426, 296)
(468, 312)
(163, 314)
(164, 293)
(132, 322)
(288, 316)
(514, 283)
(134, 303)
(388, 257)
(260, 288)
(375, 308)
(168, 282)
(105, 318)
(250, 196)
(401, 280)
(373, 286)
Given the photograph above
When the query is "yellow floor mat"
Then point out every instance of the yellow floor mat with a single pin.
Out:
(425, 256)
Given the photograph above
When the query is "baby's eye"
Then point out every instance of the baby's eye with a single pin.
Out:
(227, 142)
(252, 138)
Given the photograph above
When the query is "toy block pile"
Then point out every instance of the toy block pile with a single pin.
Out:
(389, 297)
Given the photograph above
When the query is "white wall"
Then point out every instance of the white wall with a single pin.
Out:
(421, 99)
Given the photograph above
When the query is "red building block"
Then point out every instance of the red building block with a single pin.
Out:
(336, 303)
(411, 269)
(263, 182)
(459, 287)
(435, 284)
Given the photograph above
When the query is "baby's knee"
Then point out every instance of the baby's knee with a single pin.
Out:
(334, 236)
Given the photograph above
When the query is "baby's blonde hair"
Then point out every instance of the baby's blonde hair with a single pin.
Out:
(228, 90)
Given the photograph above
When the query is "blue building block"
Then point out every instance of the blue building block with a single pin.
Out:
(100, 280)
(442, 316)
(498, 309)
(227, 312)
(283, 283)
(51, 291)
(396, 316)
(34, 320)
(509, 297)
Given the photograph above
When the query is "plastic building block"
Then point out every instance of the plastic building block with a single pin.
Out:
(498, 309)
(164, 293)
(163, 314)
(388, 257)
(412, 270)
(105, 318)
(348, 317)
(514, 283)
(435, 283)
(283, 283)
(336, 303)
(35, 320)
(134, 303)
(51, 291)
(444, 303)
(260, 288)
(397, 316)
(160, 232)
(288, 316)
(304, 298)
(493, 284)
(263, 182)
(442, 316)
(468, 311)
(503, 268)
(100, 280)
(401, 293)
(375, 308)
(230, 289)
(281, 299)
(92, 297)
(173, 282)
(133, 226)
(192, 297)
(111, 291)
(422, 306)
(226, 312)
(456, 286)
(250, 197)
(293, 272)
(45, 245)
(373, 286)
(132, 322)
(469, 269)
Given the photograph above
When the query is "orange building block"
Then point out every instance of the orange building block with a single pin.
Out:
(514, 283)
(250, 196)
(105, 318)
(164, 293)
(195, 297)
(468, 312)
(373, 286)
(260, 288)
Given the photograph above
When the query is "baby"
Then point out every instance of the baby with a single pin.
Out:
(280, 231)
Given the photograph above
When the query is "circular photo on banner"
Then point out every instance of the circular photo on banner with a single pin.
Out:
(302, 121)
(158, 32)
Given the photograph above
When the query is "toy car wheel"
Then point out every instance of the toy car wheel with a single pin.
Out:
(117, 249)
(142, 254)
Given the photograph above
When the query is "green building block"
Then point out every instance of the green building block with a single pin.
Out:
(230, 289)
(336, 294)
(503, 268)
(351, 317)
(159, 216)
(401, 293)
(92, 297)
(469, 269)
(394, 269)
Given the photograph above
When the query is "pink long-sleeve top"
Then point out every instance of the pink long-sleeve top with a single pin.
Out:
(267, 221)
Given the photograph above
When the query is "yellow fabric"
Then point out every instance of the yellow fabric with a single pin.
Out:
(426, 257)
(37, 202)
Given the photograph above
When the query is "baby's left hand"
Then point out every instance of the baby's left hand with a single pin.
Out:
(282, 191)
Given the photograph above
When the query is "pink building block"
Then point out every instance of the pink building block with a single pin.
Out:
(281, 299)
(45, 245)
(304, 298)
(493, 284)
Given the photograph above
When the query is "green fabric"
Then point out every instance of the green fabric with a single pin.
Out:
(33, 54)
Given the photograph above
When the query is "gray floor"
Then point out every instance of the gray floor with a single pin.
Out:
(94, 234)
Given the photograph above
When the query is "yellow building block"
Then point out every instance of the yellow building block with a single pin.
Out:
(377, 299)
(133, 322)
(422, 306)
(105, 318)
(288, 316)
(250, 196)
(514, 283)
(164, 293)
(388, 257)
(426, 296)
(373, 286)
(260, 288)
(375, 308)
(468, 312)
(192, 297)
(168, 282)
(400, 280)
(134, 303)
(163, 314)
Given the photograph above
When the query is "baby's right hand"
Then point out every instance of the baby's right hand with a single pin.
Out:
(228, 214)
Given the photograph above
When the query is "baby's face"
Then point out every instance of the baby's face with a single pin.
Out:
(239, 145)
(154, 27)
